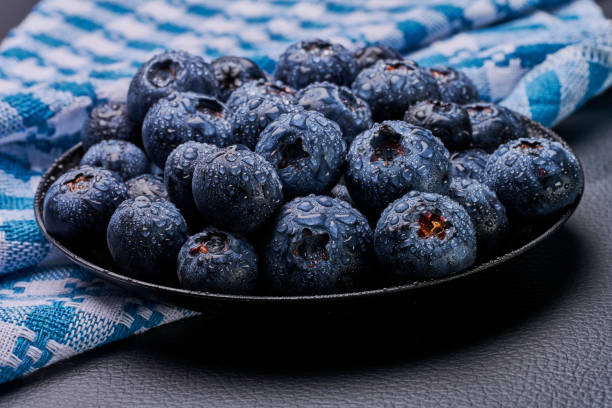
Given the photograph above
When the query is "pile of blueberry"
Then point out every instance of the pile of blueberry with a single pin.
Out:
(341, 170)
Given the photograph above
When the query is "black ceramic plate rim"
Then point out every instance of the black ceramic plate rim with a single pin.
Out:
(168, 290)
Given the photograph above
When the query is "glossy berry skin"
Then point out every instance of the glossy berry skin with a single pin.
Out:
(446, 120)
(493, 125)
(424, 236)
(232, 72)
(252, 117)
(319, 245)
(217, 262)
(454, 85)
(178, 175)
(307, 151)
(109, 121)
(181, 117)
(340, 192)
(370, 54)
(534, 176)
(165, 73)
(391, 86)
(80, 203)
(144, 237)
(487, 213)
(469, 163)
(146, 185)
(391, 159)
(337, 103)
(124, 158)
(236, 190)
(260, 88)
(315, 61)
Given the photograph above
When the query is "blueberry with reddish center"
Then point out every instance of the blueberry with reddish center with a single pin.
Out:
(424, 236)
(184, 116)
(469, 163)
(534, 176)
(144, 237)
(454, 85)
(124, 158)
(109, 121)
(318, 245)
(370, 54)
(493, 125)
(260, 88)
(81, 201)
(446, 120)
(218, 262)
(315, 61)
(391, 86)
(337, 103)
(147, 185)
(307, 151)
(391, 159)
(236, 190)
(232, 72)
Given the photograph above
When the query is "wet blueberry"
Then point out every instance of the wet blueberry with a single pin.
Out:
(260, 88)
(232, 72)
(124, 158)
(340, 192)
(446, 120)
(370, 54)
(146, 185)
(469, 163)
(493, 125)
(454, 85)
(109, 121)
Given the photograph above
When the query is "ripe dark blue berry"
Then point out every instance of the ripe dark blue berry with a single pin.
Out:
(146, 185)
(236, 190)
(80, 203)
(423, 236)
(124, 158)
(486, 211)
(391, 86)
(391, 159)
(469, 164)
(315, 61)
(454, 85)
(319, 245)
(109, 121)
(340, 192)
(370, 54)
(184, 116)
(231, 72)
(534, 176)
(446, 120)
(493, 125)
(144, 237)
(338, 104)
(218, 262)
(165, 73)
(260, 88)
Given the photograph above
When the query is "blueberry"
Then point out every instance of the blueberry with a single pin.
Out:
(218, 262)
(109, 121)
(338, 104)
(534, 176)
(423, 236)
(307, 151)
(167, 72)
(146, 185)
(319, 245)
(391, 86)
(260, 88)
(231, 72)
(315, 61)
(469, 164)
(370, 54)
(446, 120)
(124, 158)
(178, 175)
(391, 159)
(454, 85)
(81, 201)
(236, 190)
(340, 192)
(144, 237)
(486, 211)
(184, 116)
(252, 117)
(493, 125)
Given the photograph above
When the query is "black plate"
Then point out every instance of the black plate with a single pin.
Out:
(522, 238)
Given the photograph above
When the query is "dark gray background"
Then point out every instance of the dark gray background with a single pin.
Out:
(538, 332)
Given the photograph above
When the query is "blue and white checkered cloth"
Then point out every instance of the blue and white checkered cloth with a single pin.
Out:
(543, 58)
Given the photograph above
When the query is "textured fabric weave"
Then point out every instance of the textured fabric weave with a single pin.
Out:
(543, 58)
